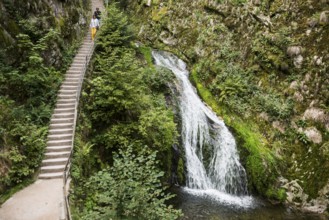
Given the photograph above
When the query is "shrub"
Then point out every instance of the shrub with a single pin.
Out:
(131, 188)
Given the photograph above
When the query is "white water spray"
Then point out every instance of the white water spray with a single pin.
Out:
(212, 160)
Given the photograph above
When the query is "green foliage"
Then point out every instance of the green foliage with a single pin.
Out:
(303, 138)
(116, 29)
(122, 105)
(131, 188)
(269, 49)
(32, 78)
(157, 128)
(277, 194)
(147, 53)
(229, 83)
(233, 2)
(29, 80)
(274, 105)
(25, 159)
(158, 78)
(117, 86)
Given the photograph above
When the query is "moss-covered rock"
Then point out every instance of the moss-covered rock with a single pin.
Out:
(276, 43)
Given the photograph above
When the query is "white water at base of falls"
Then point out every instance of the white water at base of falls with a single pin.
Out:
(212, 160)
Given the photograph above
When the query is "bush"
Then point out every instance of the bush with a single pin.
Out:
(131, 188)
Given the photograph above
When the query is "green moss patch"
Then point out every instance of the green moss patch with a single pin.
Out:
(260, 162)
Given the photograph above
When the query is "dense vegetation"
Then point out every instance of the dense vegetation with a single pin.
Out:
(125, 131)
(36, 46)
(263, 67)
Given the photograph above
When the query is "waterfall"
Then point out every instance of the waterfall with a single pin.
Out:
(212, 159)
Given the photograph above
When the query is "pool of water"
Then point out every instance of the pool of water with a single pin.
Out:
(203, 206)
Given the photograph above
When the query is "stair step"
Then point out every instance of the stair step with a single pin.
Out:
(54, 143)
(72, 79)
(73, 73)
(65, 105)
(79, 55)
(60, 131)
(61, 120)
(78, 64)
(76, 68)
(64, 115)
(67, 136)
(85, 47)
(58, 149)
(68, 97)
(70, 86)
(52, 169)
(55, 161)
(56, 175)
(66, 101)
(61, 126)
(68, 92)
(71, 83)
(61, 110)
(57, 154)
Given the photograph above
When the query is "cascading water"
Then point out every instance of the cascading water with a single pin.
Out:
(212, 161)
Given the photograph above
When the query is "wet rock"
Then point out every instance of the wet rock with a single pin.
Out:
(293, 85)
(295, 193)
(324, 17)
(264, 116)
(298, 96)
(294, 51)
(318, 115)
(317, 60)
(320, 204)
(313, 135)
(166, 39)
(279, 126)
(308, 32)
(298, 61)
(256, 2)
(312, 22)
(148, 3)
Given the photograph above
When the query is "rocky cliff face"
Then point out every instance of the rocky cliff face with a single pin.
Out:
(36, 17)
(265, 62)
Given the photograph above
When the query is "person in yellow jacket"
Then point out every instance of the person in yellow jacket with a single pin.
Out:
(94, 24)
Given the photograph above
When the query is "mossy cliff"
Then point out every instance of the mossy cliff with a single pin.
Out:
(263, 67)
(37, 43)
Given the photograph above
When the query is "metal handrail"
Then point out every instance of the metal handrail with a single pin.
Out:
(66, 173)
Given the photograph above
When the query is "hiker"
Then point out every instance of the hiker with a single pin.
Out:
(94, 24)
(97, 14)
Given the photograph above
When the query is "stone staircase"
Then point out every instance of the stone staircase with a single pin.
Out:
(62, 123)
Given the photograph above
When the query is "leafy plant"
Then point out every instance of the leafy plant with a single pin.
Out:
(131, 188)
